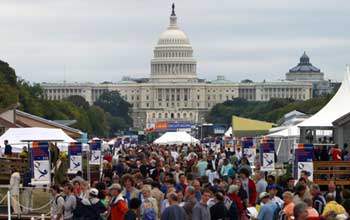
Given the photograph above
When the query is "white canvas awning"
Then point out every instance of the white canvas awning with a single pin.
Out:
(228, 133)
(179, 137)
(338, 106)
(19, 137)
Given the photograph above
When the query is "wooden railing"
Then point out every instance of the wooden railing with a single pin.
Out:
(338, 171)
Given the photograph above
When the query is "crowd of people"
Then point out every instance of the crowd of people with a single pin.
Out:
(188, 182)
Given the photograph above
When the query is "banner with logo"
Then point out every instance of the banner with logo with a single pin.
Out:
(304, 154)
(267, 155)
(40, 162)
(95, 152)
(75, 158)
(249, 149)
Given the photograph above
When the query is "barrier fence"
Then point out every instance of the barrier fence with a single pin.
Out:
(30, 201)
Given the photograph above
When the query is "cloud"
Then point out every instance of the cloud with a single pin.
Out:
(89, 40)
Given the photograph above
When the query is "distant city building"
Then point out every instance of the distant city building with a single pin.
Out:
(174, 93)
(306, 72)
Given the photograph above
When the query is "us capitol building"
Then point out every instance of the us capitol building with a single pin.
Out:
(175, 93)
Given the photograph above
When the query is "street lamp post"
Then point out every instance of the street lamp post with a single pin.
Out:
(202, 119)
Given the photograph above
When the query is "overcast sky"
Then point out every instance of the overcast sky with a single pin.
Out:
(79, 41)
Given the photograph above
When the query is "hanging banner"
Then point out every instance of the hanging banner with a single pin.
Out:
(75, 157)
(95, 152)
(304, 154)
(267, 155)
(40, 162)
(249, 149)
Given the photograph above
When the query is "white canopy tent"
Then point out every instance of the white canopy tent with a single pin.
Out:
(337, 107)
(179, 137)
(19, 137)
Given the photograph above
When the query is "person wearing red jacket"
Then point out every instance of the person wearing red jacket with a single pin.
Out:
(118, 206)
(249, 186)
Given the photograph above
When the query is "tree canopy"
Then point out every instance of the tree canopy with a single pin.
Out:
(111, 114)
(271, 111)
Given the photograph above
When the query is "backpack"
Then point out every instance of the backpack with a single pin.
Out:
(78, 208)
(276, 213)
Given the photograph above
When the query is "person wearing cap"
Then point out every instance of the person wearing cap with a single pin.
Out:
(92, 206)
(272, 190)
(267, 211)
(118, 206)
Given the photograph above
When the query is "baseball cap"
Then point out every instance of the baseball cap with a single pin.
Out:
(264, 195)
(93, 191)
(272, 186)
(115, 186)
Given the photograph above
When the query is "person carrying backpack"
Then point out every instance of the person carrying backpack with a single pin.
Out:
(57, 205)
(92, 207)
(70, 202)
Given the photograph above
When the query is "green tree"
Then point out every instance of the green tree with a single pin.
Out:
(247, 81)
(114, 104)
(78, 101)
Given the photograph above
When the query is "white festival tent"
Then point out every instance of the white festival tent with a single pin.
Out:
(179, 137)
(337, 107)
(19, 137)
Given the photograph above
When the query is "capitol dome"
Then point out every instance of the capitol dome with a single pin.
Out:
(173, 55)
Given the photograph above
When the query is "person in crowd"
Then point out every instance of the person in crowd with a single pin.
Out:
(225, 168)
(211, 173)
(118, 205)
(8, 149)
(305, 175)
(197, 187)
(202, 166)
(335, 153)
(300, 193)
(290, 185)
(272, 180)
(84, 190)
(57, 204)
(27, 192)
(146, 192)
(346, 201)
(177, 172)
(15, 180)
(201, 210)
(261, 184)
(129, 190)
(272, 190)
(312, 212)
(70, 203)
(158, 195)
(182, 182)
(92, 207)
(235, 208)
(249, 186)
(300, 211)
(191, 201)
(267, 210)
(147, 209)
(134, 209)
(242, 194)
(76, 188)
(24, 154)
(166, 201)
(332, 189)
(78, 177)
(332, 205)
(288, 204)
(218, 211)
(318, 200)
(173, 211)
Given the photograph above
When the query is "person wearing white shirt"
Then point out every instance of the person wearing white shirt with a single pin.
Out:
(272, 189)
